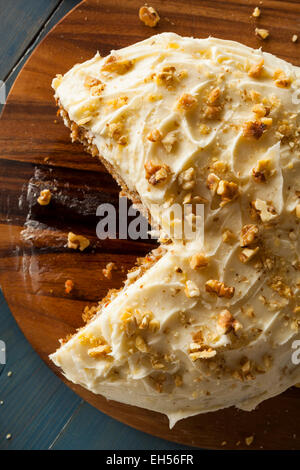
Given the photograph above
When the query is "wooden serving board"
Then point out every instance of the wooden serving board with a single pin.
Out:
(36, 153)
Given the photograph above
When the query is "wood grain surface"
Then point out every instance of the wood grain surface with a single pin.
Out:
(36, 153)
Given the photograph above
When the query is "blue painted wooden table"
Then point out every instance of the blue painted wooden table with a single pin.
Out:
(37, 411)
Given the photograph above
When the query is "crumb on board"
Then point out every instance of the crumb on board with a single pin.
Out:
(149, 16)
(262, 33)
(256, 12)
(69, 284)
(1, 402)
(224, 443)
(44, 197)
(8, 436)
(249, 440)
(9, 374)
(107, 271)
(77, 241)
(294, 38)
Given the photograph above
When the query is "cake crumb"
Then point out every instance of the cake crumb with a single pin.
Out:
(224, 443)
(294, 38)
(8, 437)
(249, 440)
(69, 284)
(262, 33)
(149, 16)
(107, 271)
(44, 197)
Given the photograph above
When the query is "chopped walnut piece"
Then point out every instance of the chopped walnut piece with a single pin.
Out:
(253, 129)
(247, 254)
(249, 234)
(262, 171)
(117, 65)
(77, 241)
(69, 284)
(149, 16)
(249, 440)
(198, 261)
(212, 182)
(141, 344)
(256, 69)
(115, 130)
(260, 110)
(186, 102)
(169, 141)
(228, 236)
(129, 323)
(191, 289)
(186, 179)
(178, 380)
(213, 96)
(262, 33)
(281, 80)
(227, 322)
(256, 12)
(264, 209)
(298, 211)
(156, 173)
(219, 288)
(44, 197)
(154, 136)
(169, 77)
(201, 352)
(107, 271)
(99, 351)
(96, 86)
(212, 112)
(227, 190)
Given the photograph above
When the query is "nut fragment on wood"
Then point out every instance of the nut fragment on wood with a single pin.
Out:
(219, 288)
(262, 33)
(77, 241)
(44, 197)
(149, 16)
(256, 12)
(69, 284)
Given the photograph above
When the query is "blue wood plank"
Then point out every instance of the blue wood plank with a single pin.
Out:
(20, 22)
(89, 429)
(36, 404)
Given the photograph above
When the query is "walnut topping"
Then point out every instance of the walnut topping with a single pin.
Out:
(191, 289)
(264, 209)
(186, 179)
(186, 102)
(213, 96)
(141, 344)
(198, 351)
(99, 351)
(281, 80)
(227, 190)
(279, 286)
(212, 182)
(95, 86)
(228, 236)
(169, 141)
(169, 77)
(212, 112)
(253, 129)
(262, 33)
(154, 136)
(117, 65)
(219, 288)
(149, 16)
(77, 241)
(227, 322)
(260, 110)
(298, 211)
(115, 132)
(247, 254)
(256, 69)
(249, 234)
(155, 173)
(44, 197)
(262, 171)
(198, 261)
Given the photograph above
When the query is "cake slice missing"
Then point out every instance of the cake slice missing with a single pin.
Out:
(189, 121)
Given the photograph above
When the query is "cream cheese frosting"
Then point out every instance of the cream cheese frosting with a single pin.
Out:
(209, 325)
